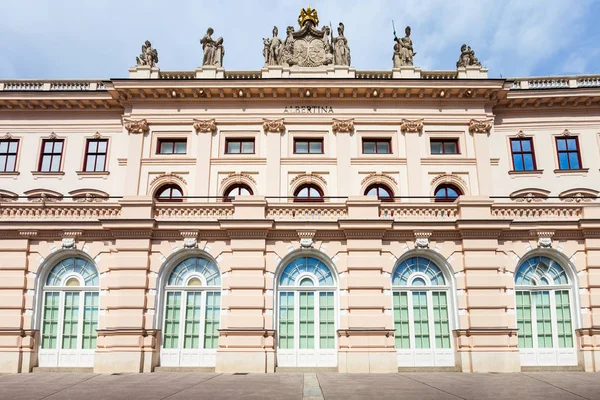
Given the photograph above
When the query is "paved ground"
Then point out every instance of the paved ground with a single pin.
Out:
(530, 386)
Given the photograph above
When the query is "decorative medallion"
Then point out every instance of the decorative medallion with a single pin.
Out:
(273, 125)
(205, 125)
(136, 126)
(480, 125)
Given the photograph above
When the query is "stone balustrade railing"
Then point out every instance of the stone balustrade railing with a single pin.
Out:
(177, 74)
(307, 212)
(58, 211)
(373, 75)
(50, 86)
(451, 74)
(537, 212)
(187, 211)
(243, 75)
(555, 82)
(400, 211)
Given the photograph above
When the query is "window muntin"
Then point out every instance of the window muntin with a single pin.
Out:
(444, 146)
(95, 155)
(51, 156)
(172, 146)
(237, 190)
(169, 193)
(239, 146)
(377, 146)
(382, 192)
(523, 155)
(569, 156)
(308, 193)
(308, 146)
(8, 154)
(447, 193)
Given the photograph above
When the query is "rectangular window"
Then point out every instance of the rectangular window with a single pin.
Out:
(8, 155)
(326, 321)
(191, 333)
(522, 154)
(95, 155)
(421, 320)
(401, 321)
(444, 146)
(239, 146)
(543, 319)
(440, 320)
(568, 153)
(563, 319)
(525, 333)
(172, 311)
(50, 325)
(307, 320)
(51, 156)
(211, 323)
(377, 146)
(70, 320)
(308, 146)
(172, 146)
(286, 320)
(90, 320)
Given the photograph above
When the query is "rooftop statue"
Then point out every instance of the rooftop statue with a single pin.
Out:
(341, 51)
(272, 49)
(467, 57)
(403, 50)
(149, 55)
(213, 49)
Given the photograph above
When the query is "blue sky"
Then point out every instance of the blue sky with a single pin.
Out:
(100, 38)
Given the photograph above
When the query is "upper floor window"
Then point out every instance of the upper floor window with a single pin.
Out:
(447, 193)
(237, 190)
(95, 155)
(239, 146)
(377, 146)
(444, 146)
(308, 193)
(308, 146)
(522, 154)
(172, 146)
(51, 157)
(8, 154)
(382, 192)
(568, 153)
(169, 193)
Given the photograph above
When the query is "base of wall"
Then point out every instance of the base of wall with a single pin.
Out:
(374, 362)
(62, 369)
(119, 362)
(184, 369)
(10, 362)
(490, 361)
(245, 361)
(305, 370)
(428, 369)
(590, 360)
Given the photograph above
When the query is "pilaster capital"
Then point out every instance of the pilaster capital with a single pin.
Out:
(342, 125)
(306, 239)
(422, 239)
(136, 125)
(411, 125)
(480, 125)
(544, 238)
(205, 125)
(273, 125)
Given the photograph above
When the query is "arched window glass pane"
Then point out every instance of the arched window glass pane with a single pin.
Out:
(447, 193)
(408, 267)
(307, 282)
(381, 191)
(540, 269)
(197, 265)
(419, 282)
(72, 282)
(194, 282)
(306, 264)
(308, 193)
(169, 193)
(73, 265)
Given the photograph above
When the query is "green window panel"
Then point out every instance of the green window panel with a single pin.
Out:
(563, 319)
(50, 323)
(307, 320)
(70, 320)
(172, 317)
(286, 320)
(543, 319)
(211, 323)
(421, 320)
(440, 320)
(90, 320)
(401, 321)
(524, 323)
(191, 334)
(326, 321)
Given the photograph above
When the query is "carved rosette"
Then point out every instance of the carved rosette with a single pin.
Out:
(136, 125)
(480, 126)
(411, 125)
(342, 125)
(205, 125)
(273, 125)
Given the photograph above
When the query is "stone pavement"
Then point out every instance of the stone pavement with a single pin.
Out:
(180, 385)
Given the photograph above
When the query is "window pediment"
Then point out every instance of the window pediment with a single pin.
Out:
(530, 195)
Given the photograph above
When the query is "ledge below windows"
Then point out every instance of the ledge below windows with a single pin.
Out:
(38, 174)
(581, 171)
(90, 174)
(527, 172)
(10, 174)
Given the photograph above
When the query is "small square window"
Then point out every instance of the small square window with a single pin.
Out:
(308, 146)
(569, 156)
(51, 156)
(376, 146)
(444, 146)
(8, 154)
(172, 146)
(239, 146)
(522, 154)
(95, 155)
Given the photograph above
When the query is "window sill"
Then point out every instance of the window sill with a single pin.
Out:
(92, 173)
(571, 171)
(527, 172)
(47, 174)
(15, 173)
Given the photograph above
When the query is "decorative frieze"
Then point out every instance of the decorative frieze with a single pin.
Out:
(273, 125)
(308, 178)
(480, 126)
(205, 125)
(411, 125)
(342, 125)
(136, 125)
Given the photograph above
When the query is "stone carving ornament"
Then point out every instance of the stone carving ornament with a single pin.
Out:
(403, 50)
(308, 47)
(467, 57)
(213, 49)
(273, 125)
(272, 49)
(136, 126)
(342, 125)
(411, 125)
(341, 50)
(149, 55)
(480, 125)
(205, 125)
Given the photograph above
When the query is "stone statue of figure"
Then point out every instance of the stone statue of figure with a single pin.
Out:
(341, 51)
(327, 45)
(275, 48)
(403, 50)
(287, 50)
(467, 57)
(213, 49)
(472, 59)
(149, 55)
(267, 50)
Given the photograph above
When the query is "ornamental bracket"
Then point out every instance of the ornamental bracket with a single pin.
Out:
(411, 125)
(342, 125)
(273, 125)
(480, 125)
(136, 125)
(205, 125)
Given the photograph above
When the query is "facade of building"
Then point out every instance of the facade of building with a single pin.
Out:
(300, 217)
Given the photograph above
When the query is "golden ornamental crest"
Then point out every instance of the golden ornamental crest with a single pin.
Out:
(308, 14)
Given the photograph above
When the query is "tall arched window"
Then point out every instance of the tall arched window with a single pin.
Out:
(237, 190)
(69, 314)
(308, 193)
(306, 314)
(191, 314)
(169, 193)
(543, 301)
(447, 193)
(382, 192)
(421, 314)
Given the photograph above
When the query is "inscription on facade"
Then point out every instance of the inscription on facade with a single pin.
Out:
(308, 110)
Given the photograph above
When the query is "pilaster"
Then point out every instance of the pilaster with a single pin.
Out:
(136, 130)
(481, 129)
(412, 131)
(205, 129)
(274, 158)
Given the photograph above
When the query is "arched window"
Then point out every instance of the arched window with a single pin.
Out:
(421, 299)
(306, 314)
(543, 300)
(169, 193)
(191, 314)
(237, 190)
(69, 314)
(382, 192)
(447, 193)
(308, 193)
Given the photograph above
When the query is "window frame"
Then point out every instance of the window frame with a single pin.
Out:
(376, 141)
(227, 194)
(567, 151)
(51, 155)
(309, 199)
(170, 199)
(240, 141)
(8, 154)
(96, 154)
(446, 199)
(381, 186)
(160, 141)
(308, 142)
(521, 153)
(444, 141)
